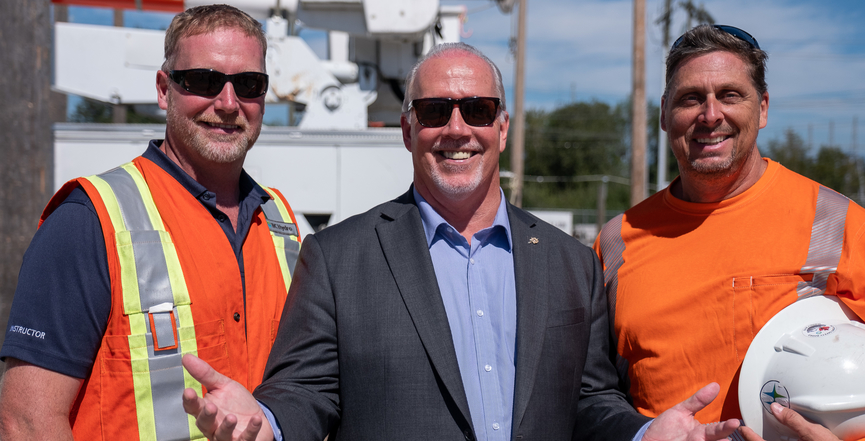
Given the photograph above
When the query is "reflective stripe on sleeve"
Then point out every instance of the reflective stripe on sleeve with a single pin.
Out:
(827, 242)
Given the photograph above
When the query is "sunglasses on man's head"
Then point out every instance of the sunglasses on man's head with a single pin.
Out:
(732, 30)
(208, 82)
(436, 112)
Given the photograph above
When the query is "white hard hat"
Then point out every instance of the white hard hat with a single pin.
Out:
(809, 357)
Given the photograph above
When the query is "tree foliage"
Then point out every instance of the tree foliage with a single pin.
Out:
(831, 166)
(569, 149)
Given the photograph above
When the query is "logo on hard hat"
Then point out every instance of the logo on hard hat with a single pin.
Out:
(818, 330)
(774, 392)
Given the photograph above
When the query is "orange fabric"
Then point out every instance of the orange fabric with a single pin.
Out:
(105, 406)
(698, 282)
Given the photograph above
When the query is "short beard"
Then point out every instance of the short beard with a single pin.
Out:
(453, 189)
(189, 135)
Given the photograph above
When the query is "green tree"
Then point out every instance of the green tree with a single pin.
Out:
(831, 167)
(569, 148)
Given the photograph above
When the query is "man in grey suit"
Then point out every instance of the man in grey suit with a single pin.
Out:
(446, 314)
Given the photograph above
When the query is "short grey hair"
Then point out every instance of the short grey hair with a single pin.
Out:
(444, 49)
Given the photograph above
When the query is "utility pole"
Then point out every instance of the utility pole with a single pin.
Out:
(639, 177)
(118, 109)
(518, 118)
(26, 170)
(664, 21)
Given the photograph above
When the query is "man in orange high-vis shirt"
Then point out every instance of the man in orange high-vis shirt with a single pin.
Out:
(693, 272)
(177, 252)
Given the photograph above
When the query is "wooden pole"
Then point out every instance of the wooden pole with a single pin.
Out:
(26, 170)
(518, 118)
(639, 177)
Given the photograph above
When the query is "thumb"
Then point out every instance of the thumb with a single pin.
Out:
(701, 399)
(203, 373)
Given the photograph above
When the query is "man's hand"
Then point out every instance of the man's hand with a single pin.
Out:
(678, 422)
(788, 417)
(228, 412)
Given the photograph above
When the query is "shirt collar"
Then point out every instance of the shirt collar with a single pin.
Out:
(432, 220)
(248, 187)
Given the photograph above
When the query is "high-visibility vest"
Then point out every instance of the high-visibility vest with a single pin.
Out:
(159, 321)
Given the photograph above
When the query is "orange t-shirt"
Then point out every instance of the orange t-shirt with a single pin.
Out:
(698, 281)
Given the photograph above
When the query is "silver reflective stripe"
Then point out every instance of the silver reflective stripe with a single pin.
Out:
(827, 242)
(154, 286)
(282, 228)
(612, 249)
(166, 383)
(131, 206)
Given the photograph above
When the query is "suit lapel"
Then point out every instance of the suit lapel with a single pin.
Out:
(405, 249)
(531, 272)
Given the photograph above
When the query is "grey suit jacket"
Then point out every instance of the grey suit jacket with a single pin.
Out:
(364, 350)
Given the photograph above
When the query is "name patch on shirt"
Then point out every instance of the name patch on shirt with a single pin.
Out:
(282, 228)
(27, 331)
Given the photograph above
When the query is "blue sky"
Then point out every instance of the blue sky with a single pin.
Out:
(582, 50)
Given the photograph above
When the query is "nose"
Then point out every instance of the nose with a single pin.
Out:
(711, 114)
(226, 101)
(456, 126)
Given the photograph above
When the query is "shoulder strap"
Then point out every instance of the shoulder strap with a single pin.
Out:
(283, 230)
(156, 301)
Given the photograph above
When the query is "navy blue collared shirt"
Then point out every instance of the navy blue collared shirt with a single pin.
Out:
(478, 289)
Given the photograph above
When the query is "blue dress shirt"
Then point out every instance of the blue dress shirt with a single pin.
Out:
(478, 290)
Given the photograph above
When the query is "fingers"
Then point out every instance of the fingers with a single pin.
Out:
(718, 431)
(201, 371)
(749, 434)
(702, 398)
(252, 429)
(806, 430)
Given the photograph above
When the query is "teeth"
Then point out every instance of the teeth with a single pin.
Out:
(714, 140)
(457, 155)
(223, 126)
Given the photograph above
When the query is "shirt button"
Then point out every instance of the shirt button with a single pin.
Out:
(472, 261)
(488, 368)
(206, 196)
(221, 218)
(237, 316)
(480, 313)
(496, 426)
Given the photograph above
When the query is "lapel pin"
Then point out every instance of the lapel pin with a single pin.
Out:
(533, 240)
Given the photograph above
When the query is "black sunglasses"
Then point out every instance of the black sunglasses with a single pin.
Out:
(477, 111)
(732, 30)
(208, 82)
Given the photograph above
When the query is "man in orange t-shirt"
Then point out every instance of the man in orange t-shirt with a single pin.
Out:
(694, 272)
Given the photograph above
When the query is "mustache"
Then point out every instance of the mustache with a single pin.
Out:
(236, 120)
(456, 144)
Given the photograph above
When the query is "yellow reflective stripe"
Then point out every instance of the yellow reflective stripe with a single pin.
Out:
(279, 245)
(186, 336)
(110, 201)
(278, 242)
(128, 273)
(175, 273)
(146, 197)
(123, 240)
(283, 211)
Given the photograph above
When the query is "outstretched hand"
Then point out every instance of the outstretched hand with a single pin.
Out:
(228, 412)
(788, 417)
(678, 423)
